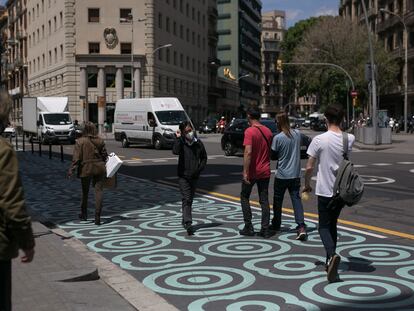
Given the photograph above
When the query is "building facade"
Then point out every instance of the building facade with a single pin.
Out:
(239, 46)
(94, 53)
(390, 30)
(273, 30)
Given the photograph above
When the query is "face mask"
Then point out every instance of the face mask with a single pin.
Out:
(190, 136)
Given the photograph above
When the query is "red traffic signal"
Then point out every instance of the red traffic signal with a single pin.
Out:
(354, 93)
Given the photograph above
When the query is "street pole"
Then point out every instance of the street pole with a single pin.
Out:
(347, 105)
(405, 74)
(373, 80)
(132, 56)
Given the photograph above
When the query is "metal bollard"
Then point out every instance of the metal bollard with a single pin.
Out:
(40, 148)
(17, 144)
(32, 145)
(61, 153)
(24, 147)
(50, 151)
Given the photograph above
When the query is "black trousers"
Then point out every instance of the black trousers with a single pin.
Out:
(187, 189)
(5, 285)
(97, 182)
(263, 188)
(328, 218)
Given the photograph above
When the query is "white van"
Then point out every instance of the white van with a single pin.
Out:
(151, 121)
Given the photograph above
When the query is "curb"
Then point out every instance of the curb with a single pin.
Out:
(362, 146)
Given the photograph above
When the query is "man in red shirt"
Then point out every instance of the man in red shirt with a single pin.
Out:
(256, 170)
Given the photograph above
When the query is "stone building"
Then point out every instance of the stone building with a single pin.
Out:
(92, 52)
(239, 46)
(273, 30)
(390, 30)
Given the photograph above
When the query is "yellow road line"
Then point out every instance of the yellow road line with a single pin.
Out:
(136, 159)
(312, 215)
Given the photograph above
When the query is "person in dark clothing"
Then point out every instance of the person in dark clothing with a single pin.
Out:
(192, 159)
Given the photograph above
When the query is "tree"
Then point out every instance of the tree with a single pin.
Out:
(339, 41)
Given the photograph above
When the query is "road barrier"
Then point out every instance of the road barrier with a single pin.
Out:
(32, 143)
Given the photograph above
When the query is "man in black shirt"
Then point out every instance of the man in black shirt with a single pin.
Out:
(192, 159)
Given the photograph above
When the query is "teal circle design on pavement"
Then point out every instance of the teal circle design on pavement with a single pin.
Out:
(288, 265)
(157, 210)
(314, 239)
(167, 224)
(157, 259)
(239, 300)
(237, 248)
(234, 217)
(89, 223)
(104, 231)
(406, 272)
(134, 243)
(205, 235)
(197, 202)
(397, 254)
(394, 296)
(170, 281)
(216, 208)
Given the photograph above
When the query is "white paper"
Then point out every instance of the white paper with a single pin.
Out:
(112, 165)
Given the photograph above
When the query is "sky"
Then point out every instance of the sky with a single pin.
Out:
(297, 10)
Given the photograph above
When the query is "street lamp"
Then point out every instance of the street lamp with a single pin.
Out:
(405, 65)
(130, 19)
(243, 76)
(161, 47)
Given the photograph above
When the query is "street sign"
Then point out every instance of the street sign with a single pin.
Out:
(354, 93)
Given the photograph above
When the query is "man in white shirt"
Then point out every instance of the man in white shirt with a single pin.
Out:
(328, 149)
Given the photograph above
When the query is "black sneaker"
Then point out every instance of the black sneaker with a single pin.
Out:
(302, 235)
(247, 230)
(332, 268)
(189, 228)
(274, 227)
(265, 233)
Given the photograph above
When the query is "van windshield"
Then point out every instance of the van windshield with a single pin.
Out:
(57, 118)
(172, 117)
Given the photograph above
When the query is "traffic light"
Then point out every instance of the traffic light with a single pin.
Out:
(354, 101)
(279, 65)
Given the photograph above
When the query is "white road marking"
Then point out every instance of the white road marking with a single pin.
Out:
(209, 175)
(360, 165)
(171, 177)
(376, 180)
(405, 163)
(381, 164)
(411, 171)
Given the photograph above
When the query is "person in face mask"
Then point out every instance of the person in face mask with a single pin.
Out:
(192, 159)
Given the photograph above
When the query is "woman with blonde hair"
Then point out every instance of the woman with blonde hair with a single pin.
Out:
(286, 149)
(89, 156)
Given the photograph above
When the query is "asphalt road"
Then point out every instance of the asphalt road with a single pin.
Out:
(389, 178)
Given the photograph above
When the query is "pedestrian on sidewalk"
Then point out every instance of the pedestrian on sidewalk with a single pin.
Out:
(15, 224)
(286, 150)
(192, 159)
(256, 170)
(328, 149)
(89, 156)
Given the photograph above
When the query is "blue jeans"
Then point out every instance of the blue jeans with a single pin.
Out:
(328, 218)
(279, 189)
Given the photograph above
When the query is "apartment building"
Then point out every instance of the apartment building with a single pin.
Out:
(94, 53)
(239, 46)
(390, 30)
(273, 30)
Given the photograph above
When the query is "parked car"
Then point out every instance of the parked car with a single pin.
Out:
(9, 132)
(293, 122)
(319, 125)
(233, 137)
(306, 123)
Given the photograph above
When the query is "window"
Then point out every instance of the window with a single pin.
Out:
(160, 54)
(61, 52)
(94, 48)
(175, 58)
(50, 57)
(188, 35)
(187, 10)
(167, 56)
(127, 79)
(174, 4)
(50, 27)
(204, 20)
(126, 48)
(55, 23)
(187, 62)
(181, 31)
(198, 40)
(43, 61)
(92, 80)
(193, 64)
(43, 31)
(160, 20)
(110, 79)
(181, 60)
(167, 24)
(174, 28)
(193, 14)
(56, 56)
(160, 82)
(193, 38)
(168, 84)
(93, 15)
(61, 19)
(181, 6)
(125, 15)
(198, 17)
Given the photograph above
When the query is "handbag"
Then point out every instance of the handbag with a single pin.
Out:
(112, 165)
(111, 182)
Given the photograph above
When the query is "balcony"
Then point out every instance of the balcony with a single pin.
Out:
(18, 62)
(212, 35)
(409, 18)
(214, 62)
(388, 23)
(21, 34)
(212, 11)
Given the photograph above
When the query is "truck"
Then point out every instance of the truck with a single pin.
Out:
(151, 121)
(48, 119)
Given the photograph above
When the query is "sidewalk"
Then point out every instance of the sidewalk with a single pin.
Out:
(216, 269)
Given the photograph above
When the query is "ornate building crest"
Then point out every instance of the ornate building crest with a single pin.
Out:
(111, 38)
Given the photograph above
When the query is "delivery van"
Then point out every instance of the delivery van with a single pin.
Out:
(151, 121)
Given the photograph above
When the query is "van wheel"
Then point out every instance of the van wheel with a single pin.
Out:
(228, 149)
(157, 143)
(125, 142)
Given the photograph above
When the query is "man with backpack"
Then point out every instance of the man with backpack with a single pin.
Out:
(256, 170)
(328, 148)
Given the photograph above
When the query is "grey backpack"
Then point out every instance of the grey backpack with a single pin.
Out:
(348, 187)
